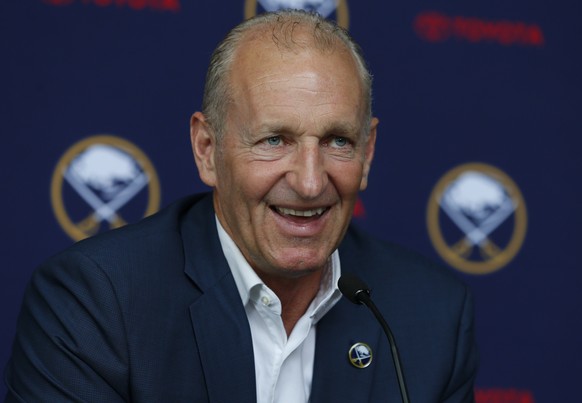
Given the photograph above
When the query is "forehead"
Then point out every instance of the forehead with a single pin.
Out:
(264, 54)
(265, 73)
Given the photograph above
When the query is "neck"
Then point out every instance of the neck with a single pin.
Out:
(295, 294)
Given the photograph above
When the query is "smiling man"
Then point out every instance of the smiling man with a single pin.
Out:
(294, 151)
(232, 296)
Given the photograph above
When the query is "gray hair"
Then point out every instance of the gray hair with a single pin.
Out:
(326, 36)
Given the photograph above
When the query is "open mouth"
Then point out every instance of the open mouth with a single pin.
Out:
(308, 213)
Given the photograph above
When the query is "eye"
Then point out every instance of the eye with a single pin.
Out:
(339, 142)
(274, 141)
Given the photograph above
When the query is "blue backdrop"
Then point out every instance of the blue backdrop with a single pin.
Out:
(477, 160)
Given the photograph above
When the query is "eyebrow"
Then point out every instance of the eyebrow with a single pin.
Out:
(339, 128)
(342, 128)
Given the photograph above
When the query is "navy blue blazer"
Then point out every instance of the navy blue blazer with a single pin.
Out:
(151, 313)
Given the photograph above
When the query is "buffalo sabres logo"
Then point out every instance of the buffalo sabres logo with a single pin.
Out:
(360, 355)
(323, 7)
(476, 218)
(97, 177)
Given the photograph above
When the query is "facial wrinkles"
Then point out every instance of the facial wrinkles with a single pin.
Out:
(307, 81)
(309, 84)
(307, 184)
(309, 107)
(300, 117)
(307, 100)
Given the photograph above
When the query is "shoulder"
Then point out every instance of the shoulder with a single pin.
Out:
(429, 309)
(397, 269)
(150, 229)
(154, 242)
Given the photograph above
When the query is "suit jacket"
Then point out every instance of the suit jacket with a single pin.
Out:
(151, 313)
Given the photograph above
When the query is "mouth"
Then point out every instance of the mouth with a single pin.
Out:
(296, 213)
(300, 222)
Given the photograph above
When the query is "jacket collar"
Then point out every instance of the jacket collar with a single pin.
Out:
(218, 317)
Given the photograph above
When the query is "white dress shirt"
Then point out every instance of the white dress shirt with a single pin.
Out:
(283, 365)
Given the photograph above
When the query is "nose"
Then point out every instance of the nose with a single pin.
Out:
(308, 176)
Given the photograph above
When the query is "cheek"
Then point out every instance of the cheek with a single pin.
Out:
(256, 179)
(347, 178)
(242, 189)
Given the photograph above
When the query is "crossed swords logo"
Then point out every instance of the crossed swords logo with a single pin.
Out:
(360, 355)
(103, 211)
(478, 199)
(477, 235)
(106, 172)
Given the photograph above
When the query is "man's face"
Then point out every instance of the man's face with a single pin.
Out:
(293, 156)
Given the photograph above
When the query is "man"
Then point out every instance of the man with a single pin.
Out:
(232, 297)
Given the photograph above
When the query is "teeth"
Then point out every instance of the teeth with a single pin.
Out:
(300, 213)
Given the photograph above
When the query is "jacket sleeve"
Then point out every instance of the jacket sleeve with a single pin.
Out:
(70, 342)
(460, 388)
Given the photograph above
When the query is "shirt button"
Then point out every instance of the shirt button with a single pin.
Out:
(265, 300)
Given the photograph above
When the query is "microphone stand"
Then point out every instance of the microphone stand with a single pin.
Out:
(364, 298)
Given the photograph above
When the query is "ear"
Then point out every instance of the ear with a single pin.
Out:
(369, 153)
(204, 148)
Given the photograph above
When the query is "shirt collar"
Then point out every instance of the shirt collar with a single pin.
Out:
(247, 280)
(244, 276)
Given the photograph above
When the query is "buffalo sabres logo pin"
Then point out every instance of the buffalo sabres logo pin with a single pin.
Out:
(360, 355)
(476, 218)
(102, 182)
(323, 7)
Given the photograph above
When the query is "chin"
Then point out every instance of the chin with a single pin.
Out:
(301, 267)
(293, 274)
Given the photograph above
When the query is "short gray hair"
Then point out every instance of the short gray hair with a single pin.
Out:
(326, 35)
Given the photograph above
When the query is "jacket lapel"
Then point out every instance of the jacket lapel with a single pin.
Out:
(218, 317)
(335, 379)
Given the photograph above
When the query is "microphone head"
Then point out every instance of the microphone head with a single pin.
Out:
(353, 288)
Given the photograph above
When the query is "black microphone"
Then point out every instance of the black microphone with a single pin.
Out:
(358, 292)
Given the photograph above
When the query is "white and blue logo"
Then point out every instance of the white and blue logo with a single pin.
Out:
(95, 182)
(323, 7)
(476, 218)
(360, 355)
